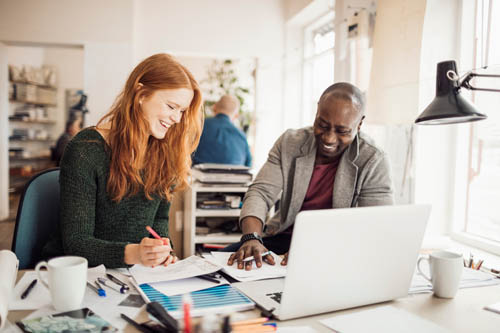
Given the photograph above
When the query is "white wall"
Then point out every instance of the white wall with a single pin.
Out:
(222, 27)
(65, 21)
(107, 66)
(69, 65)
(435, 149)
(393, 96)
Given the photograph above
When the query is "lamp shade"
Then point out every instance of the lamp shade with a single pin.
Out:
(449, 106)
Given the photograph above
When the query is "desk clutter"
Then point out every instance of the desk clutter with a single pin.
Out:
(471, 278)
(193, 287)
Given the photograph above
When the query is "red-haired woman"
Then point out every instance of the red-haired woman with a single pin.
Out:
(117, 178)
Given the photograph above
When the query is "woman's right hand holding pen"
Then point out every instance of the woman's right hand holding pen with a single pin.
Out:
(150, 252)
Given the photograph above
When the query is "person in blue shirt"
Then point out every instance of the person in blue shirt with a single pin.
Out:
(221, 141)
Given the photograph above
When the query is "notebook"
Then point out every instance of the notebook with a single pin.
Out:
(218, 299)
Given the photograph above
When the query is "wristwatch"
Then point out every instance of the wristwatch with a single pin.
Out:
(253, 235)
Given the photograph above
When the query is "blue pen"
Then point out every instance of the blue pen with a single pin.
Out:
(112, 285)
(99, 292)
(100, 288)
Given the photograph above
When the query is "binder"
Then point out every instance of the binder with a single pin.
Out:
(218, 299)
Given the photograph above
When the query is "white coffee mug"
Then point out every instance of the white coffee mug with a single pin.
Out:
(445, 270)
(67, 279)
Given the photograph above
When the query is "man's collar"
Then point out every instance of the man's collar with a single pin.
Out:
(222, 115)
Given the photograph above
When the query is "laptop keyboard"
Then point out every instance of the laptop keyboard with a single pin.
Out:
(275, 296)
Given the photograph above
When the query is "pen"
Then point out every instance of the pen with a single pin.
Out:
(250, 321)
(186, 306)
(115, 280)
(101, 290)
(155, 235)
(252, 258)
(112, 285)
(208, 278)
(98, 291)
(28, 290)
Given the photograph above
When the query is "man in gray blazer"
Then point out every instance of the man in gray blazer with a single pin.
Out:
(329, 165)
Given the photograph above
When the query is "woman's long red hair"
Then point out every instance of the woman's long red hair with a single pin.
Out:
(140, 161)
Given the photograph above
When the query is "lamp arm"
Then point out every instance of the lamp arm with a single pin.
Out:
(466, 81)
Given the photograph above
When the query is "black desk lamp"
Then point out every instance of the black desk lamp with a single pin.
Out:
(449, 106)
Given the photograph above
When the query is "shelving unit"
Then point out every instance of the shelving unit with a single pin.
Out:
(31, 134)
(192, 215)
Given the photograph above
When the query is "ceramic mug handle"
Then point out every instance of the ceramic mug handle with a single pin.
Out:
(37, 270)
(420, 271)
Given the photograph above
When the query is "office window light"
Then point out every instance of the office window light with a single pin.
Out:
(482, 216)
(318, 70)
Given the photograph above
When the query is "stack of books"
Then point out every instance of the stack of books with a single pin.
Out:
(212, 173)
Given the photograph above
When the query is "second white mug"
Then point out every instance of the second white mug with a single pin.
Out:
(445, 272)
(67, 279)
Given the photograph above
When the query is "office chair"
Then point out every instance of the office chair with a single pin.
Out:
(37, 217)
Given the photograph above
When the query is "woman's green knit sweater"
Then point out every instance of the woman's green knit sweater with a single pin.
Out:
(91, 224)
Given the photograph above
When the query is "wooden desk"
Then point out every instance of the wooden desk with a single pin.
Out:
(464, 313)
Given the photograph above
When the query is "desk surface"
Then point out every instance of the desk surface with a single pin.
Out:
(464, 313)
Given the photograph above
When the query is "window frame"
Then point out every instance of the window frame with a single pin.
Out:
(464, 137)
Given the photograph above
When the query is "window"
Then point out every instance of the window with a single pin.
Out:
(319, 41)
(482, 214)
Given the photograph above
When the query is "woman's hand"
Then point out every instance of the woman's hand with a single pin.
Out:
(150, 252)
(171, 258)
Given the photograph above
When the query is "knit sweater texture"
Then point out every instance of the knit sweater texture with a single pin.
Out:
(91, 224)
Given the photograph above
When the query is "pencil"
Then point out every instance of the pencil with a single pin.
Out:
(254, 329)
(252, 258)
(155, 235)
(250, 321)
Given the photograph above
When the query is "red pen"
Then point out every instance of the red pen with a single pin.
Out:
(186, 307)
(155, 235)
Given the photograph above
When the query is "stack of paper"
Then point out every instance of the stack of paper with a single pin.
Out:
(470, 278)
(266, 271)
(178, 278)
(183, 269)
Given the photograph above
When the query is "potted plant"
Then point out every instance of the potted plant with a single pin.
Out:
(222, 80)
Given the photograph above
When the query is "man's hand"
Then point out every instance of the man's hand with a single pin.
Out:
(285, 259)
(250, 248)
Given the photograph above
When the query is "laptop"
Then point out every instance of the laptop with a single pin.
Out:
(344, 258)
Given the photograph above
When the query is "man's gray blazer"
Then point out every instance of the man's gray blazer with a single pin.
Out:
(363, 178)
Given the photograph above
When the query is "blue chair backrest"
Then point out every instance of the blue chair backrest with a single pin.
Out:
(37, 217)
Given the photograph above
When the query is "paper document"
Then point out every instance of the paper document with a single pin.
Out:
(8, 274)
(493, 307)
(38, 297)
(384, 319)
(183, 286)
(189, 267)
(470, 278)
(266, 271)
